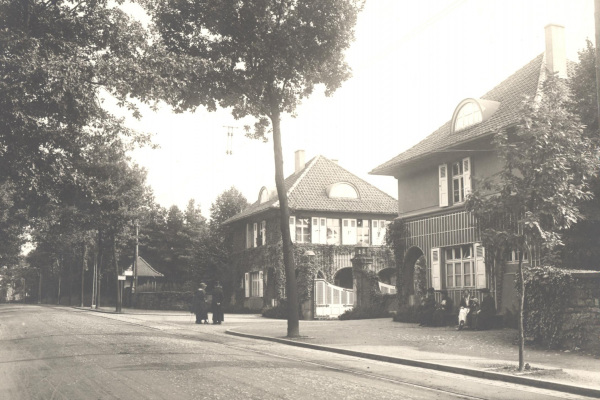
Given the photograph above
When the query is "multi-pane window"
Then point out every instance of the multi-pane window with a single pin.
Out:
(255, 282)
(363, 231)
(458, 193)
(469, 114)
(460, 267)
(302, 230)
(333, 231)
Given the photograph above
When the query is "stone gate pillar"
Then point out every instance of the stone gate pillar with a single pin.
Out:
(361, 265)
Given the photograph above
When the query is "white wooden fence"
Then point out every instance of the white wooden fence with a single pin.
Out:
(331, 300)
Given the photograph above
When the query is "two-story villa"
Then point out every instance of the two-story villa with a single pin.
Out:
(436, 175)
(331, 211)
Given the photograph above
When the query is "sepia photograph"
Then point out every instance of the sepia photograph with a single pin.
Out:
(299, 199)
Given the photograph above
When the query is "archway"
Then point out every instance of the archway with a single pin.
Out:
(388, 275)
(344, 278)
(411, 257)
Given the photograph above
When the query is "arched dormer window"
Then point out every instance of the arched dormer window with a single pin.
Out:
(471, 112)
(264, 195)
(342, 190)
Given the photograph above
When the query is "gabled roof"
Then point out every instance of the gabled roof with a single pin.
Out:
(510, 93)
(307, 191)
(145, 270)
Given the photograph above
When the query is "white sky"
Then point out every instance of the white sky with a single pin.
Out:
(412, 62)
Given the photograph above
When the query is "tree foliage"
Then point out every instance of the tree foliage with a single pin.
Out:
(547, 163)
(260, 58)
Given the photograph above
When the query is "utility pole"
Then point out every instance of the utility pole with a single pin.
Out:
(135, 261)
(230, 130)
(597, 29)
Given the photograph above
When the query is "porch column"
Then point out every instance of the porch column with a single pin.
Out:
(363, 283)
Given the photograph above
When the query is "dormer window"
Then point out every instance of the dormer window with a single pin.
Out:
(469, 114)
(265, 195)
(342, 190)
(472, 112)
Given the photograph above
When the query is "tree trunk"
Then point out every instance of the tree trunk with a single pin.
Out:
(40, 289)
(521, 313)
(293, 326)
(70, 283)
(99, 273)
(116, 265)
(59, 282)
(83, 265)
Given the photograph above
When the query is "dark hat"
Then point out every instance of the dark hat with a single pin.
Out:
(431, 290)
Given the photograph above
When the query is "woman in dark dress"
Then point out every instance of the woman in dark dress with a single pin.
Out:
(199, 306)
(217, 304)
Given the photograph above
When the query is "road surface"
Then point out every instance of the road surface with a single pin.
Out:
(65, 353)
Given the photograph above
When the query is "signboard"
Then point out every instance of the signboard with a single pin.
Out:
(121, 277)
(128, 273)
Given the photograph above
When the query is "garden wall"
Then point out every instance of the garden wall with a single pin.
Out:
(582, 321)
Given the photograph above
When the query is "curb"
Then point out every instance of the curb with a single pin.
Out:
(122, 312)
(561, 387)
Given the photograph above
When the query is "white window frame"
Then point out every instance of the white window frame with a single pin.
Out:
(255, 284)
(263, 232)
(303, 230)
(334, 232)
(362, 231)
(255, 234)
(460, 263)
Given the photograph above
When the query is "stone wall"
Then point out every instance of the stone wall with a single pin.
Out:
(179, 301)
(582, 322)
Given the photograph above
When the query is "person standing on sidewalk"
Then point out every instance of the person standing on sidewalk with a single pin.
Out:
(217, 304)
(199, 306)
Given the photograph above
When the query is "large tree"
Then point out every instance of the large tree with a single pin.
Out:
(260, 58)
(548, 162)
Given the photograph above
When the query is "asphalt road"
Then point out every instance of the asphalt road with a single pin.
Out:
(64, 353)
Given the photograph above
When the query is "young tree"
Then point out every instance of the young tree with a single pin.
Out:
(261, 58)
(547, 164)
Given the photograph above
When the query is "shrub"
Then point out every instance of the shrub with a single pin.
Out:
(374, 311)
(408, 314)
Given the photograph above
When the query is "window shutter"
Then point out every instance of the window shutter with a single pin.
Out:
(348, 231)
(320, 295)
(443, 178)
(248, 237)
(323, 231)
(435, 269)
(293, 229)
(467, 175)
(260, 284)
(247, 284)
(255, 228)
(263, 232)
(480, 273)
(315, 230)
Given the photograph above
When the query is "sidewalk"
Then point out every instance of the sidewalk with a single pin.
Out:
(487, 354)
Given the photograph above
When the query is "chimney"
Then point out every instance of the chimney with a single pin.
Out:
(556, 55)
(299, 157)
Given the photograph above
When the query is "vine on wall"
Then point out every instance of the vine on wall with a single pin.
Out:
(548, 293)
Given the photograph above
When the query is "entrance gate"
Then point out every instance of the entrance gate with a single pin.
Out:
(331, 300)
